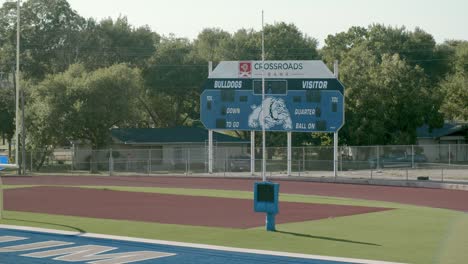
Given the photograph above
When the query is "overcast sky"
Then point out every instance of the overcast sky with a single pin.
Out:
(447, 19)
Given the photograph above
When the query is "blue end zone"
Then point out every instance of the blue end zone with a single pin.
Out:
(98, 252)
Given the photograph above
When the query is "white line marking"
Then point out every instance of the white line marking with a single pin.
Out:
(200, 246)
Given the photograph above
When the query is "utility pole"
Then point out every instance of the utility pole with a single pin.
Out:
(263, 105)
(17, 123)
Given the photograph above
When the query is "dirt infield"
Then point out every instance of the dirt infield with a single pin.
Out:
(439, 198)
(163, 208)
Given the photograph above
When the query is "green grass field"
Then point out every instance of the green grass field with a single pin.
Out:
(408, 233)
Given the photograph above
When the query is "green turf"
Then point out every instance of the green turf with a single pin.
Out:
(407, 234)
(6, 187)
(241, 195)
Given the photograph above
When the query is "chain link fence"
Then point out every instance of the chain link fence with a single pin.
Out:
(405, 162)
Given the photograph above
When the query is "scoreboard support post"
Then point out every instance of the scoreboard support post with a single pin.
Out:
(335, 134)
(270, 222)
(210, 151)
(289, 152)
(252, 152)
(335, 154)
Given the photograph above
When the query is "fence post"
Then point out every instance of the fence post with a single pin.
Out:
(340, 157)
(299, 167)
(111, 162)
(442, 172)
(188, 160)
(149, 162)
(225, 160)
(412, 156)
(73, 164)
(449, 154)
(377, 166)
(147, 167)
(186, 163)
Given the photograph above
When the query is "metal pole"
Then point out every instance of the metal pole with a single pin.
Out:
(377, 166)
(225, 161)
(187, 162)
(289, 152)
(210, 151)
(303, 159)
(340, 158)
(449, 154)
(17, 123)
(263, 104)
(335, 135)
(149, 161)
(23, 136)
(412, 156)
(111, 162)
(188, 159)
(252, 152)
(335, 154)
(210, 132)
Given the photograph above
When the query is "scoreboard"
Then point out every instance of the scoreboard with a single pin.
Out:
(301, 96)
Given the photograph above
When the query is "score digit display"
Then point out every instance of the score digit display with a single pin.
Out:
(279, 87)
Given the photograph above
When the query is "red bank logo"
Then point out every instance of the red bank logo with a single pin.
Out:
(245, 69)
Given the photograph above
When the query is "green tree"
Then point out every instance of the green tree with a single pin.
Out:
(81, 105)
(386, 100)
(110, 42)
(370, 59)
(455, 105)
(455, 85)
(207, 45)
(415, 47)
(7, 37)
(282, 42)
(286, 42)
(363, 124)
(173, 79)
(49, 34)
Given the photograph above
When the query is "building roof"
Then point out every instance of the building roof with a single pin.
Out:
(447, 130)
(187, 135)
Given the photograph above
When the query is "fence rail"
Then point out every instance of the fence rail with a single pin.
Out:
(409, 162)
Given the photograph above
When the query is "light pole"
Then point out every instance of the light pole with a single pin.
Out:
(263, 104)
(17, 114)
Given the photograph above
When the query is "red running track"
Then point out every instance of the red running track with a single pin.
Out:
(438, 198)
(165, 208)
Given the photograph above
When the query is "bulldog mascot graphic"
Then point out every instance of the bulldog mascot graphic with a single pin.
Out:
(275, 113)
